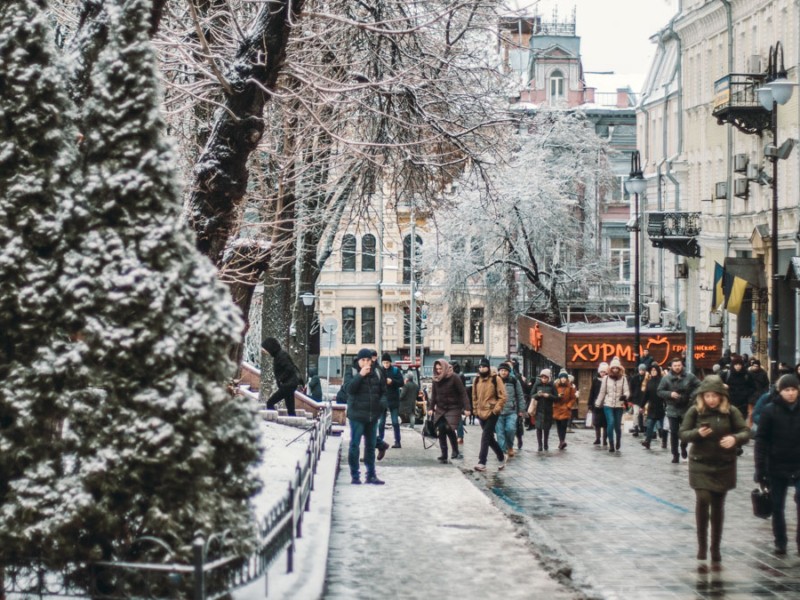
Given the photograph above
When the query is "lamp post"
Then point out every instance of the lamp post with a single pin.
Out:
(308, 301)
(636, 185)
(776, 90)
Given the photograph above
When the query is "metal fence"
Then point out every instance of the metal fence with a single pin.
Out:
(207, 578)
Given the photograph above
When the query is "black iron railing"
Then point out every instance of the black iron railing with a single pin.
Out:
(675, 231)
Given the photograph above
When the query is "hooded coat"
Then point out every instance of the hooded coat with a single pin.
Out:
(712, 467)
(314, 385)
(562, 407)
(449, 397)
(286, 373)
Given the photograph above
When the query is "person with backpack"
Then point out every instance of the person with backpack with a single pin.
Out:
(777, 455)
(448, 402)
(488, 398)
(543, 396)
(287, 376)
(514, 408)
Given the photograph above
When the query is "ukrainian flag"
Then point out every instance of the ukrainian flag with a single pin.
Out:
(736, 295)
(717, 293)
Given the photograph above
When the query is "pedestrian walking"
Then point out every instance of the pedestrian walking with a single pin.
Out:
(463, 378)
(777, 455)
(543, 397)
(314, 385)
(366, 402)
(513, 409)
(562, 407)
(676, 389)
(653, 406)
(408, 398)
(488, 398)
(448, 402)
(715, 429)
(613, 395)
(394, 382)
(759, 377)
(287, 377)
(741, 386)
(636, 400)
(598, 417)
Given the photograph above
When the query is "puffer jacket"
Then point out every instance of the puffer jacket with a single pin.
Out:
(613, 392)
(742, 389)
(366, 397)
(515, 399)
(685, 384)
(542, 398)
(562, 407)
(778, 440)
(712, 467)
(654, 403)
(488, 395)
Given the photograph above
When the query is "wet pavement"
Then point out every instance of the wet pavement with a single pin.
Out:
(624, 522)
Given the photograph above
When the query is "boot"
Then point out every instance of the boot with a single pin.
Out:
(701, 519)
(646, 444)
(539, 438)
(716, 535)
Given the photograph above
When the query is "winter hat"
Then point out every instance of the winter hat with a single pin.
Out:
(788, 381)
(364, 353)
(504, 365)
(484, 362)
(546, 373)
(563, 374)
(716, 368)
(712, 383)
(386, 357)
(373, 353)
(271, 345)
(615, 363)
(601, 366)
(642, 367)
(737, 360)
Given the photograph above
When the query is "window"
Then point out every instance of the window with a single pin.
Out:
(618, 193)
(368, 325)
(476, 325)
(457, 327)
(368, 252)
(349, 253)
(407, 326)
(621, 258)
(556, 87)
(407, 258)
(348, 325)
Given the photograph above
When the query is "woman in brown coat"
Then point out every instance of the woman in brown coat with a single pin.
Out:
(562, 407)
(716, 429)
(447, 403)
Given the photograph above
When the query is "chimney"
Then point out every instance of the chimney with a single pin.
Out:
(588, 95)
(623, 98)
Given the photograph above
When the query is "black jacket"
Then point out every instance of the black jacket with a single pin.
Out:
(656, 408)
(286, 373)
(394, 383)
(741, 388)
(635, 385)
(778, 441)
(366, 396)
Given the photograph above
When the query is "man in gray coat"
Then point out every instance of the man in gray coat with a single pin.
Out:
(677, 389)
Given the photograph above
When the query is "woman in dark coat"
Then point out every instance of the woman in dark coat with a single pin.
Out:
(447, 403)
(598, 416)
(656, 411)
(716, 429)
(543, 395)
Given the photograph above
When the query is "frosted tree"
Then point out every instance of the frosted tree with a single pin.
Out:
(168, 451)
(39, 219)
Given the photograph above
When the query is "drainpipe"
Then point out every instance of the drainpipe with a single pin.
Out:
(728, 168)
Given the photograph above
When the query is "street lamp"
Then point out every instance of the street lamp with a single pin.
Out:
(308, 301)
(636, 185)
(776, 90)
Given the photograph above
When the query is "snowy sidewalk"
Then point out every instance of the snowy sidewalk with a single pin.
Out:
(428, 532)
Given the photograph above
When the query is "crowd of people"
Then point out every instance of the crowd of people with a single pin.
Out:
(705, 422)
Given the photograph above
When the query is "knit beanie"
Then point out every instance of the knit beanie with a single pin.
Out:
(615, 363)
(504, 365)
(642, 367)
(563, 374)
(546, 373)
(386, 357)
(364, 353)
(601, 366)
(484, 362)
(788, 381)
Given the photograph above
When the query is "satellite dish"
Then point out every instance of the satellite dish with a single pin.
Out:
(330, 325)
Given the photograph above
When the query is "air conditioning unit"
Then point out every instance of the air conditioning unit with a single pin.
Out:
(721, 190)
(630, 320)
(668, 318)
(741, 188)
(754, 64)
(715, 318)
(654, 312)
(740, 163)
(681, 272)
(752, 171)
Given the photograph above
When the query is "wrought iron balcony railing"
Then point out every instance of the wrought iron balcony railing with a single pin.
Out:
(736, 102)
(675, 231)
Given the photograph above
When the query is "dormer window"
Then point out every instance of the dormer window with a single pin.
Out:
(556, 87)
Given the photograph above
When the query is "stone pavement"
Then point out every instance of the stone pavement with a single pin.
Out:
(624, 522)
(428, 533)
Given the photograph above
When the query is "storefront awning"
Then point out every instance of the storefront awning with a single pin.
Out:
(749, 269)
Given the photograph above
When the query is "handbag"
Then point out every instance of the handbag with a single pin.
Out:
(762, 503)
(589, 422)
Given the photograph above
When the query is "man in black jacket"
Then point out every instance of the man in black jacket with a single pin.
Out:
(366, 402)
(286, 374)
(777, 455)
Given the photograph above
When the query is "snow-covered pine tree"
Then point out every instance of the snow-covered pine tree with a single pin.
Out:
(169, 451)
(39, 217)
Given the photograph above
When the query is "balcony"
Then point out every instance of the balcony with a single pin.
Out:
(675, 231)
(736, 102)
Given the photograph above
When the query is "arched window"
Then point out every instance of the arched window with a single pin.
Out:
(556, 86)
(407, 258)
(368, 252)
(349, 253)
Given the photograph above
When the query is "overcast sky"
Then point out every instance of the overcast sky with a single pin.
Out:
(615, 35)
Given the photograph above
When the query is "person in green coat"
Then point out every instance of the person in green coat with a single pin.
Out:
(716, 429)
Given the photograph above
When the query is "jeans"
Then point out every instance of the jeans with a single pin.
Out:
(653, 425)
(778, 486)
(613, 424)
(460, 432)
(674, 426)
(488, 441)
(285, 393)
(506, 430)
(395, 413)
(367, 430)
